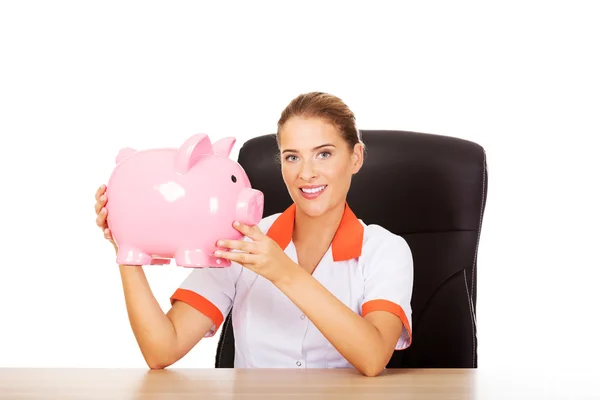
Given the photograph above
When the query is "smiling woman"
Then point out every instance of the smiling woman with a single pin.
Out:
(311, 287)
(320, 150)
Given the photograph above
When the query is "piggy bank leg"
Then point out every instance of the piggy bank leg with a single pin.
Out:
(128, 255)
(199, 259)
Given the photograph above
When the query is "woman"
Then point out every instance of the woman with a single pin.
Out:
(312, 287)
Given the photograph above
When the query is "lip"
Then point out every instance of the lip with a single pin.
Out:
(311, 196)
(311, 186)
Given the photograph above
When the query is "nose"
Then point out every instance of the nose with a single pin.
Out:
(307, 172)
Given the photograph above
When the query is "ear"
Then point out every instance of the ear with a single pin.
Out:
(223, 147)
(357, 158)
(124, 153)
(191, 151)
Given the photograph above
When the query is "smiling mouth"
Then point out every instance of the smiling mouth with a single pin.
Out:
(313, 190)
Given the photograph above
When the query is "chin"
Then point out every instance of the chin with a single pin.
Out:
(314, 208)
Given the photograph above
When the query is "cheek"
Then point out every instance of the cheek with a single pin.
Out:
(288, 174)
(337, 171)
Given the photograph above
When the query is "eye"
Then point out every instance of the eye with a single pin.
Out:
(233, 179)
(325, 154)
(289, 158)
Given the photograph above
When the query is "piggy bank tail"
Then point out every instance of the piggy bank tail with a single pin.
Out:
(124, 153)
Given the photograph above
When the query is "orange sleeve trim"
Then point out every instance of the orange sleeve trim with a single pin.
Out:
(200, 303)
(386, 305)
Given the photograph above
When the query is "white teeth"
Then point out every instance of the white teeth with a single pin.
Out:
(315, 190)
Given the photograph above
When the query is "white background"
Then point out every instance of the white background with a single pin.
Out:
(79, 80)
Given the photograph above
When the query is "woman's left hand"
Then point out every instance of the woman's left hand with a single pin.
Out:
(261, 255)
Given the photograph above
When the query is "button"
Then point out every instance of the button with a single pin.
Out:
(302, 316)
(298, 363)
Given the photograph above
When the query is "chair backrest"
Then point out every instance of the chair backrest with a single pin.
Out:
(429, 189)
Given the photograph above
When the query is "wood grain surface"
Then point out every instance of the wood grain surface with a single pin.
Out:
(23, 383)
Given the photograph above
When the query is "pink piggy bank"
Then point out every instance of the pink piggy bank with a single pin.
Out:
(168, 204)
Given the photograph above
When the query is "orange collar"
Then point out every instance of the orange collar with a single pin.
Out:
(346, 244)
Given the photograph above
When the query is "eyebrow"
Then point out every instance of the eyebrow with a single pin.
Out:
(313, 149)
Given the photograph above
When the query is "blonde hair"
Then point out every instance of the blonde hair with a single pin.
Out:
(325, 106)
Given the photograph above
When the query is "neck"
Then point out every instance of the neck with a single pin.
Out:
(327, 224)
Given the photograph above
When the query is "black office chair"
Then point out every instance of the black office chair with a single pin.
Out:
(429, 189)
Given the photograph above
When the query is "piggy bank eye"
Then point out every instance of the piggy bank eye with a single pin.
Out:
(233, 178)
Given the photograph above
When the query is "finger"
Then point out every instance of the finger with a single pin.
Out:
(253, 232)
(101, 218)
(100, 203)
(240, 258)
(243, 245)
(107, 234)
(100, 191)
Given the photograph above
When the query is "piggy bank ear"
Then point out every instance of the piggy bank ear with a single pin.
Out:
(223, 146)
(124, 153)
(191, 151)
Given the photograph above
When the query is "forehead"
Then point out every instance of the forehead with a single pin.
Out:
(300, 132)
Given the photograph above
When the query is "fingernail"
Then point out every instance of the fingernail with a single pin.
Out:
(220, 243)
(217, 253)
(236, 223)
(102, 197)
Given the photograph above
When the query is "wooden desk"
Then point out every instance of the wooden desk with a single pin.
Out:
(427, 384)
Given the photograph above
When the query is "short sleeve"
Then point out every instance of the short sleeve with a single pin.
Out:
(388, 275)
(210, 291)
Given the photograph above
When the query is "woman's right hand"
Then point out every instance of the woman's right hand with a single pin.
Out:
(101, 213)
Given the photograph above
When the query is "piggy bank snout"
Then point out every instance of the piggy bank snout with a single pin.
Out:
(250, 206)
